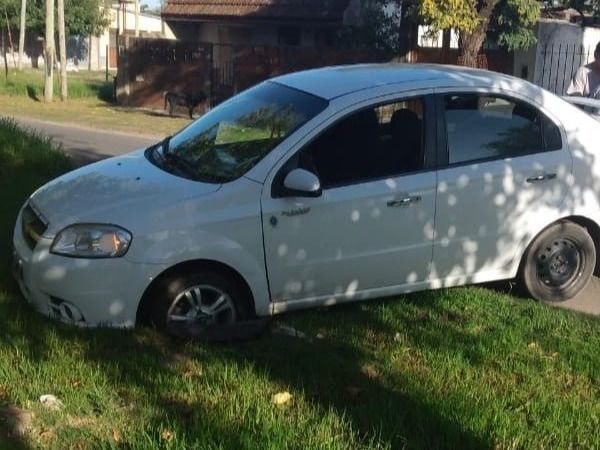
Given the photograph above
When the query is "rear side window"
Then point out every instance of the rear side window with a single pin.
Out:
(483, 127)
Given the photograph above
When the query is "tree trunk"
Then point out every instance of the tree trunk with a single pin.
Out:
(472, 42)
(49, 43)
(446, 37)
(22, 33)
(62, 43)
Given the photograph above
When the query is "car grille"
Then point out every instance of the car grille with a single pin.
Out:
(33, 226)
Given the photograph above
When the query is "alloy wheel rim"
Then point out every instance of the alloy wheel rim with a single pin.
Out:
(559, 263)
(202, 305)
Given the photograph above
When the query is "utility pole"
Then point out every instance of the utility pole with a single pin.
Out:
(49, 63)
(137, 18)
(22, 33)
(63, 49)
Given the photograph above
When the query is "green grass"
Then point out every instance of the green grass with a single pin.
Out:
(30, 83)
(461, 368)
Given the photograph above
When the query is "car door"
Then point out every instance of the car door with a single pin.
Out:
(504, 174)
(372, 226)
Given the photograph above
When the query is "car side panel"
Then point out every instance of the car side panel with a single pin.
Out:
(225, 228)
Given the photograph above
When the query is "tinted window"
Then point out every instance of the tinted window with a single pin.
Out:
(489, 127)
(229, 140)
(373, 143)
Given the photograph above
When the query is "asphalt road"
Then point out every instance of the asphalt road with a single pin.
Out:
(588, 301)
(87, 145)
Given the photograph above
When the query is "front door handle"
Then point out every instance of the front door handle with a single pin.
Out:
(539, 178)
(405, 201)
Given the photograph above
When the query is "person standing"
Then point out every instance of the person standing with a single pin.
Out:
(586, 82)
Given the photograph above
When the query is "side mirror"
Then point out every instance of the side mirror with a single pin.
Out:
(302, 183)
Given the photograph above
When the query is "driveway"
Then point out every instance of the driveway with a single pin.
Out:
(86, 145)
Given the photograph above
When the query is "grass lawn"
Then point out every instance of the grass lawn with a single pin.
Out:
(81, 84)
(88, 105)
(460, 368)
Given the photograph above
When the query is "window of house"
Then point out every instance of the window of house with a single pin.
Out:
(481, 127)
(377, 142)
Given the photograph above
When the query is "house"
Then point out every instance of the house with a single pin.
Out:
(91, 52)
(307, 23)
(122, 22)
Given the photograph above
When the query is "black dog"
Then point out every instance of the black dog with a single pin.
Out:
(190, 101)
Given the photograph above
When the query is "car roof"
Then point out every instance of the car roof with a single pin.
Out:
(337, 81)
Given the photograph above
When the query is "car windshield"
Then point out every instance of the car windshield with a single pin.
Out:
(232, 138)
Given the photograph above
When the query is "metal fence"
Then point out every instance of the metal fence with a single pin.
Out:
(558, 64)
(150, 67)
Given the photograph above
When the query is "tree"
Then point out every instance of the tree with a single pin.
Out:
(509, 22)
(82, 17)
(49, 60)
(22, 28)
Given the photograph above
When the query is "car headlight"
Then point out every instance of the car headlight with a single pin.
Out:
(92, 241)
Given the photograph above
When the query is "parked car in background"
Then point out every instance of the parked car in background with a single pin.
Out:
(322, 187)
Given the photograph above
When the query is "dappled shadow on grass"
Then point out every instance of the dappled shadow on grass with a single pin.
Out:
(373, 368)
(330, 376)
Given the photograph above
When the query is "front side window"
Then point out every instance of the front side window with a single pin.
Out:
(481, 127)
(377, 142)
(231, 139)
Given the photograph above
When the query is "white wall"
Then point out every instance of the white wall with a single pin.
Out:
(125, 20)
(426, 38)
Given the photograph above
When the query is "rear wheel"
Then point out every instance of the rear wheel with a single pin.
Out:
(559, 263)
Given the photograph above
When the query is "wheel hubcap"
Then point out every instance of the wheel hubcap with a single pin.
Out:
(202, 305)
(559, 263)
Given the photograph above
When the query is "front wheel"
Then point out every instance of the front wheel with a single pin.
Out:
(559, 263)
(193, 303)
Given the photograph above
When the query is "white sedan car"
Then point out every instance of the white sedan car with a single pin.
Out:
(322, 187)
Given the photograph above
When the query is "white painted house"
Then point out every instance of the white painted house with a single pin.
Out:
(122, 21)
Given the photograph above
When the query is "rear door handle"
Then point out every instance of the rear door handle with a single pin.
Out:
(405, 201)
(539, 178)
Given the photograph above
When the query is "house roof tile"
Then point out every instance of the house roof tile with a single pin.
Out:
(315, 10)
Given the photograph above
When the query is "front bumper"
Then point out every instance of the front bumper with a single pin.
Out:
(85, 292)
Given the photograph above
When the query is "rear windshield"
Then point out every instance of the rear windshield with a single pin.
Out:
(231, 139)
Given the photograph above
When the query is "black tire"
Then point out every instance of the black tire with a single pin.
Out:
(172, 287)
(559, 263)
